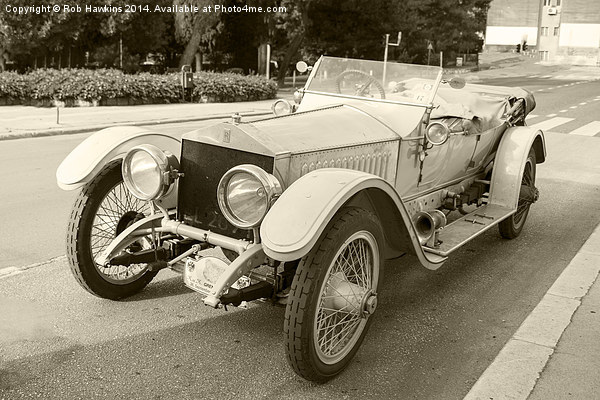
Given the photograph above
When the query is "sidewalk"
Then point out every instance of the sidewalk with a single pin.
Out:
(505, 65)
(555, 353)
(24, 121)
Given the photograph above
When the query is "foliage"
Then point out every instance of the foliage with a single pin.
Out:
(102, 84)
(356, 29)
(30, 35)
(454, 27)
(196, 28)
(306, 30)
(227, 87)
(13, 85)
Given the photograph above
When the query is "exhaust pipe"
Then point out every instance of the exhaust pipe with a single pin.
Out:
(426, 223)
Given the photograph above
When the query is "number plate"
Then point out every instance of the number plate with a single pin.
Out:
(202, 275)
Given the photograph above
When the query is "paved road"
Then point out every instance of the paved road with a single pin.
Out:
(35, 205)
(566, 106)
(434, 335)
(34, 210)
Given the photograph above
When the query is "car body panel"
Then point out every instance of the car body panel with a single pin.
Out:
(327, 128)
(510, 162)
(91, 155)
(315, 198)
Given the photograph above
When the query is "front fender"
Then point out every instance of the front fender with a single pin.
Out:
(509, 163)
(299, 217)
(87, 159)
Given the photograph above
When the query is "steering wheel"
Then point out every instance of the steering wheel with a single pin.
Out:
(362, 83)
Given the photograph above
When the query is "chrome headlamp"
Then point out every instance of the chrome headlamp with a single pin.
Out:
(437, 133)
(149, 172)
(282, 107)
(245, 195)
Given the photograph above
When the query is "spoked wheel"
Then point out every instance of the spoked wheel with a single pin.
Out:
(358, 83)
(334, 296)
(103, 209)
(512, 226)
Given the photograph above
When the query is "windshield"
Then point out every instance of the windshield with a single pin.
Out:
(396, 82)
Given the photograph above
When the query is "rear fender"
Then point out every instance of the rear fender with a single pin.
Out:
(91, 155)
(509, 163)
(299, 217)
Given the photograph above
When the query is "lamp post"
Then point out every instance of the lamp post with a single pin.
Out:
(385, 53)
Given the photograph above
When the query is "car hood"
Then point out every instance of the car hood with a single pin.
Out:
(317, 130)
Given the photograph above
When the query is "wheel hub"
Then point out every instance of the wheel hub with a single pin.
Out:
(370, 303)
(529, 194)
(343, 295)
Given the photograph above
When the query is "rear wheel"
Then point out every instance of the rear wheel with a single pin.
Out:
(334, 296)
(103, 209)
(512, 226)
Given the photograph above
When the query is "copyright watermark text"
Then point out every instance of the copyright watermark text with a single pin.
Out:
(138, 8)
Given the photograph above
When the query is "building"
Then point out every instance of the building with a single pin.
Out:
(557, 31)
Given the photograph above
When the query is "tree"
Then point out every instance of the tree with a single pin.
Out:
(452, 26)
(193, 28)
(293, 23)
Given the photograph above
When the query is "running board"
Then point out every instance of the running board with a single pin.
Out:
(468, 227)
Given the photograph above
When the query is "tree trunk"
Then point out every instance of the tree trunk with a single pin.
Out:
(192, 47)
(289, 55)
(198, 62)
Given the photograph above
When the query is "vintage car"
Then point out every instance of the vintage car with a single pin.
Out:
(302, 208)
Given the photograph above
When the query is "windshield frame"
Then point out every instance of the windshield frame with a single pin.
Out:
(345, 96)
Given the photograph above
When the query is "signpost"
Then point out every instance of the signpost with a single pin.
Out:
(385, 53)
(429, 50)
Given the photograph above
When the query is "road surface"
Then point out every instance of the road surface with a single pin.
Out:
(434, 334)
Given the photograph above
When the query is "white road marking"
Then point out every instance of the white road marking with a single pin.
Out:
(515, 370)
(551, 115)
(531, 116)
(563, 111)
(573, 107)
(590, 129)
(582, 104)
(547, 76)
(551, 123)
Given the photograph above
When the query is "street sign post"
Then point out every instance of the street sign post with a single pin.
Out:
(429, 50)
(385, 53)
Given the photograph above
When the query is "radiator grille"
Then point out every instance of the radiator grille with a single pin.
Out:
(203, 166)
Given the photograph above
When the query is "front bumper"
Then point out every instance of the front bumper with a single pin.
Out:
(251, 255)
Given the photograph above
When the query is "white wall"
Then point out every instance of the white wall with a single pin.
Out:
(510, 35)
(579, 35)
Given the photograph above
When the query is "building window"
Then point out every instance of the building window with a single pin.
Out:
(544, 55)
(557, 3)
(547, 2)
(556, 29)
(544, 31)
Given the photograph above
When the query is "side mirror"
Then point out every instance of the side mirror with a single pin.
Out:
(301, 67)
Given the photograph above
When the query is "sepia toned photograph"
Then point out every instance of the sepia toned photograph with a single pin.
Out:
(300, 199)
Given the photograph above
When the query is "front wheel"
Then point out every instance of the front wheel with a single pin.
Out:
(103, 209)
(334, 295)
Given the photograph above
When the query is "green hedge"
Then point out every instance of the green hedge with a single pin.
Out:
(14, 86)
(42, 86)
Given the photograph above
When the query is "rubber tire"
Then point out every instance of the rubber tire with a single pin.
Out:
(304, 294)
(508, 228)
(78, 238)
